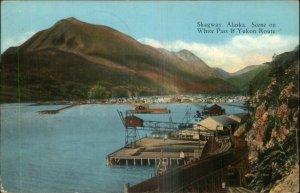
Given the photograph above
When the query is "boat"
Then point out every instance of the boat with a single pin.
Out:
(147, 110)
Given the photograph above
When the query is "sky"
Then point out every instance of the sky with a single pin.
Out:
(249, 33)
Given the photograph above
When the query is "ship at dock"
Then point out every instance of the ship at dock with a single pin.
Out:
(145, 109)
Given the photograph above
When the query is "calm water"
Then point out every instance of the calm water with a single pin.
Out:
(66, 152)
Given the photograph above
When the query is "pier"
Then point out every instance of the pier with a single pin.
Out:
(149, 151)
(219, 167)
(214, 162)
(55, 111)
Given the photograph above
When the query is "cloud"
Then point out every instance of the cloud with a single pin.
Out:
(15, 41)
(237, 53)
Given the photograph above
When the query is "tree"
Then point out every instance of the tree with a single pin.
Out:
(120, 91)
(249, 103)
(250, 91)
(247, 106)
(277, 69)
(98, 92)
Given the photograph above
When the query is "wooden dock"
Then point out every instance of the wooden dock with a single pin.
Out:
(55, 111)
(212, 173)
(149, 151)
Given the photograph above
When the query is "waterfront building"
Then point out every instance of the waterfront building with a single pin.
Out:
(221, 123)
(214, 110)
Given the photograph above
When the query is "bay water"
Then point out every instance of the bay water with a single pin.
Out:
(66, 152)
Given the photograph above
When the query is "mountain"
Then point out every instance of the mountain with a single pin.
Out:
(254, 74)
(222, 73)
(196, 65)
(72, 58)
(245, 70)
(244, 77)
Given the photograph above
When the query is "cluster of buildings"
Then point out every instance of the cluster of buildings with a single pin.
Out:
(180, 99)
(214, 122)
(173, 143)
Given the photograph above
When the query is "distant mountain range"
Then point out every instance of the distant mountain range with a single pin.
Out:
(72, 58)
(245, 70)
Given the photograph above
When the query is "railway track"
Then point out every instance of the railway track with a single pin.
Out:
(239, 190)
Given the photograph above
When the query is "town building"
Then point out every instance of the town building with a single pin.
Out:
(214, 110)
(221, 123)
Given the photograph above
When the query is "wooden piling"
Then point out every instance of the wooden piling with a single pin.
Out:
(126, 188)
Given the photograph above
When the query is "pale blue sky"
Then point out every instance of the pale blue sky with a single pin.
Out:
(159, 24)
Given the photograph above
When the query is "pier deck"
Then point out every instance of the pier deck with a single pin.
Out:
(55, 111)
(148, 151)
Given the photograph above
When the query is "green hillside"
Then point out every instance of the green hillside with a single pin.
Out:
(261, 79)
(242, 81)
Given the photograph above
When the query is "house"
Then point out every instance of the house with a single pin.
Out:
(222, 123)
(213, 110)
(133, 121)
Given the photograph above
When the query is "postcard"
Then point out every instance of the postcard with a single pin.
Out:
(149, 96)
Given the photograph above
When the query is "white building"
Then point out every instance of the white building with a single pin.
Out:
(216, 123)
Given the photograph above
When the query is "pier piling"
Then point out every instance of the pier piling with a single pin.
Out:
(126, 188)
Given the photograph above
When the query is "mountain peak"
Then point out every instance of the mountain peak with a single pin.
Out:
(72, 19)
(188, 55)
(71, 34)
(186, 52)
(69, 19)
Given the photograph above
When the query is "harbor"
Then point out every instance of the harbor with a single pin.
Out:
(71, 138)
(181, 148)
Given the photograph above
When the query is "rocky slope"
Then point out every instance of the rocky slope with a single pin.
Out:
(272, 127)
(289, 183)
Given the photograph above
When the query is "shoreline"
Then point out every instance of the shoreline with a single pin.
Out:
(70, 104)
(166, 99)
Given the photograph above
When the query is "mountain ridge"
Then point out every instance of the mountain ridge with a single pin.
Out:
(246, 69)
(71, 57)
